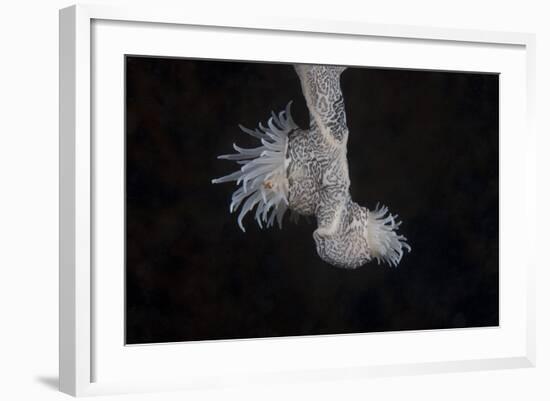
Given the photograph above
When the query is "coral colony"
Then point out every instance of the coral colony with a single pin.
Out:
(306, 171)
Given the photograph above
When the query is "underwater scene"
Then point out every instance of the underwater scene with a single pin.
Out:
(273, 199)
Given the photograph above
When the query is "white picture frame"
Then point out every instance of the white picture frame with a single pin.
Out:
(83, 344)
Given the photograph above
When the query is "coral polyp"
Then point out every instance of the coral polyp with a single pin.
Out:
(263, 176)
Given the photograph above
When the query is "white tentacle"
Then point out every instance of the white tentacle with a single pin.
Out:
(262, 179)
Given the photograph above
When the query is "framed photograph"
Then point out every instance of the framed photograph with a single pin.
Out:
(257, 200)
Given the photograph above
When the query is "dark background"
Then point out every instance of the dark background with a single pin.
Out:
(424, 143)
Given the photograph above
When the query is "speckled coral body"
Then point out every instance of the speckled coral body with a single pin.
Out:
(317, 177)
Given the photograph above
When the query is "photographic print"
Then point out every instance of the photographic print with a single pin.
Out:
(273, 199)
